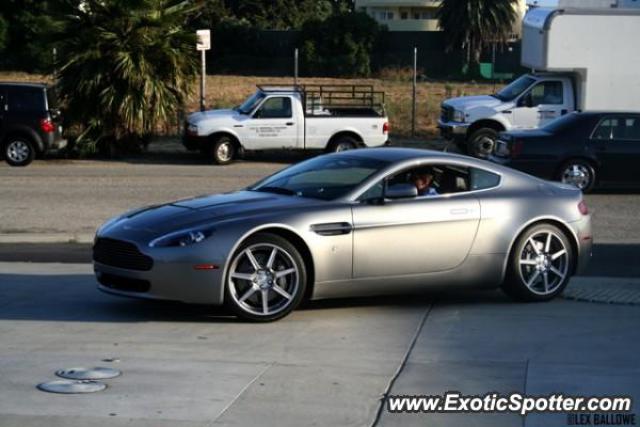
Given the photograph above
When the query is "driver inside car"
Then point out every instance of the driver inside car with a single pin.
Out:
(423, 180)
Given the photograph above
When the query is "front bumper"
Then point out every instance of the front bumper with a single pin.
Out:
(193, 142)
(453, 130)
(173, 276)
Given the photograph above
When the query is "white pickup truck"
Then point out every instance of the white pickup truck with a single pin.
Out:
(587, 64)
(331, 118)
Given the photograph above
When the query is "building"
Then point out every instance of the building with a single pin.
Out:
(411, 15)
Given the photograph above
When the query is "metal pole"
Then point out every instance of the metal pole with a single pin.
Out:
(415, 77)
(295, 67)
(493, 65)
(202, 79)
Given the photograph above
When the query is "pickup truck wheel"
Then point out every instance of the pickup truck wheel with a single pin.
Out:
(342, 144)
(19, 151)
(223, 150)
(579, 173)
(482, 141)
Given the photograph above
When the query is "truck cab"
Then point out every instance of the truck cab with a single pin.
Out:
(528, 102)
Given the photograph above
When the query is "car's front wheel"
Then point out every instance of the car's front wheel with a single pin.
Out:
(19, 151)
(223, 150)
(266, 278)
(540, 265)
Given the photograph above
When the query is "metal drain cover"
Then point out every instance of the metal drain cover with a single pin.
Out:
(97, 373)
(72, 387)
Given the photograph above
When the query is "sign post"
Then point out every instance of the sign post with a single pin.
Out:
(203, 45)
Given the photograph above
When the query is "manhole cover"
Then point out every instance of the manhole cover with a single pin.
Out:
(71, 386)
(97, 373)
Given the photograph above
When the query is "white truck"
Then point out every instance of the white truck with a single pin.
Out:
(331, 118)
(588, 60)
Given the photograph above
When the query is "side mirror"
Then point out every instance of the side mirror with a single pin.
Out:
(526, 101)
(401, 191)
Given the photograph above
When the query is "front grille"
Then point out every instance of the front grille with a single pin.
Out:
(120, 283)
(121, 254)
(446, 113)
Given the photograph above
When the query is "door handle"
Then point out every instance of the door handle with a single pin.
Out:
(290, 123)
(461, 211)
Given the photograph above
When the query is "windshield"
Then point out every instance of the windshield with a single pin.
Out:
(324, 177)
(251, 102)
(515, 88)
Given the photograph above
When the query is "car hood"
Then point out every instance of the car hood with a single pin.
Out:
(199, 116)
(203, 210)
(526, 133)
(468, 102)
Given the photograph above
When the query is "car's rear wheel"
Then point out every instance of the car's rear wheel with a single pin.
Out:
(540, 265)
(223, 150)
(482, 142)
(19, 151)
(343, 143)
(266, 279)
(579, 173)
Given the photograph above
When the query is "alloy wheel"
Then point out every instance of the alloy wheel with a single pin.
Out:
(18, 151)
(224, 151)
(264, 279)
(543, 262)
(578, 175)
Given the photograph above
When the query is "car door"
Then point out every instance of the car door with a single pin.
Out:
(272, 125)
(616, 142)
(413, 236)
(542, 103)
(3, 110)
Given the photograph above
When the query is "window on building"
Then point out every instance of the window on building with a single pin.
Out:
(404, 15)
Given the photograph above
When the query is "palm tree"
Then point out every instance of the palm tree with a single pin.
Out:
(126, 66)
(473, 24)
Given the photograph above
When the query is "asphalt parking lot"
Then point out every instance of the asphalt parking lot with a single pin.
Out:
(326, 364)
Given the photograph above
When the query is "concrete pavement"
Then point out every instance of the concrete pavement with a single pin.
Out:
(327, 364)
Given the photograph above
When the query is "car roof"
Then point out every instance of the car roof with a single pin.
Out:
(25, 84)
(397, 154)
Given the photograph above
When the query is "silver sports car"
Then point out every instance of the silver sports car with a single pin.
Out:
(361, 222)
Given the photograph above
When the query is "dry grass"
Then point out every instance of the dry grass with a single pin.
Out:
(226, 91)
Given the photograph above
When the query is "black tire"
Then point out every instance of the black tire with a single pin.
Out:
(525, 262)
(223, 150)
(342, 143)
(482, 142)
(19, 151)
(578, 172)
(265, 280)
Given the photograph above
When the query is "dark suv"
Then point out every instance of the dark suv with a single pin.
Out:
(30, 122)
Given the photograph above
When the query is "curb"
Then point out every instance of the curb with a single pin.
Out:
(605, 290)
(14, 238)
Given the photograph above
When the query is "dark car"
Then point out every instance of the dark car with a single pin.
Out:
(30, 122)
(585, 149)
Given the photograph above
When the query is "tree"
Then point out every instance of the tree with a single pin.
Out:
(126, 66)
(474, 24)
(341, 45)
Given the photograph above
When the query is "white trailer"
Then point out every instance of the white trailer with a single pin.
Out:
(581, 59)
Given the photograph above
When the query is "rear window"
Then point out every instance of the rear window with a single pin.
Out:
(26, 100)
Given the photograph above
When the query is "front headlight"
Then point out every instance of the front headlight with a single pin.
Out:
(458, 116)
(192, 129)
(182, 238)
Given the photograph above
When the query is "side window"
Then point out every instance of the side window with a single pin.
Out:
(605, 129)
(547, 93)
(275, 108)
(626, 128)
(26, 100)
(434, 180)
(482, 179)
